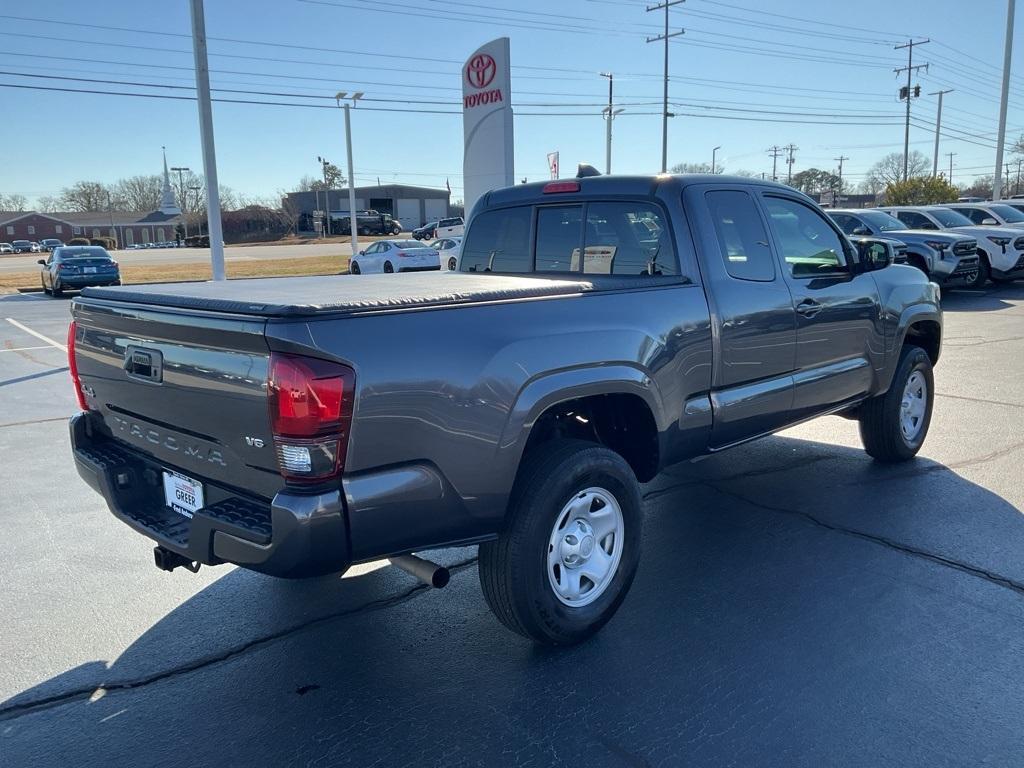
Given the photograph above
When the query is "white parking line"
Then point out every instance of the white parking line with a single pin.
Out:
(20, 349)
(38, 335)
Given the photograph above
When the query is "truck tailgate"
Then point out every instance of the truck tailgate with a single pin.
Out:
(189, 390)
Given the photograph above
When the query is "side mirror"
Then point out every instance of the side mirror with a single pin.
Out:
(861, 230)
(362, 253)
(875, 254)
(41, 261)
(988, 221)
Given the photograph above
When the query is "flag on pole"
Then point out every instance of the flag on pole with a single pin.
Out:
(553, 164)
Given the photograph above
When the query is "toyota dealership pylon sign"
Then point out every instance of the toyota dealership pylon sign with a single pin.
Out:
(487, 121)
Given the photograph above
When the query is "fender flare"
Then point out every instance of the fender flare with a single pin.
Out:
(539, 394)
(913, 314)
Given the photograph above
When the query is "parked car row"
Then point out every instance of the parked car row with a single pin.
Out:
(164, 244)
(957, 244)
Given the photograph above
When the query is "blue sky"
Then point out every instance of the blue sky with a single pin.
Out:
(740, 65)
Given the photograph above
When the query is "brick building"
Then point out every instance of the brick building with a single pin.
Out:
(125, 228)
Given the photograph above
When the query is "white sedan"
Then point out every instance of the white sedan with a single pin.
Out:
(450, 249)
(395, 256)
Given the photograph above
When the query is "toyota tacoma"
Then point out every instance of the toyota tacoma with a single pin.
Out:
(598, 330)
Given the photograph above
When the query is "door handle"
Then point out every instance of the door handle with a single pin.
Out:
(809, 307)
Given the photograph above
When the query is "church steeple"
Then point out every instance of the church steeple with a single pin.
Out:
(168, 205)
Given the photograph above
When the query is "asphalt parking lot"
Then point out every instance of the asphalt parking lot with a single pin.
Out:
(796, 605)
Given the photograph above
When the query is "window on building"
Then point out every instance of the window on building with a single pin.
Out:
(58, 229)
(129, 237)
(145, 234)
(77, 230)
(160, 234)
(10, 230)
(31, 229)
(95, 232)
(112, 233)
(741, 236)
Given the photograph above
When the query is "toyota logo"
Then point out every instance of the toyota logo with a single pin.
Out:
(480, 70)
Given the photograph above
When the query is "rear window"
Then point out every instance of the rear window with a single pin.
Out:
(76, 254)
(499, 241)
(615, 238)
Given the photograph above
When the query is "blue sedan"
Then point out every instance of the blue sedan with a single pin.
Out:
(71, 267)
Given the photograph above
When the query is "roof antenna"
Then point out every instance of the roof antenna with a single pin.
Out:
(586, 169)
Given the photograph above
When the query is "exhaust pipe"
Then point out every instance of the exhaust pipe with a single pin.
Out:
(167, 561)
(429, 573)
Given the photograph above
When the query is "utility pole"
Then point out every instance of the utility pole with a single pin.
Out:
(774, 152)
(1007, 55)
(910, 70)
(950, 177)
(202, 68)
(713, 153)
(1016, 188)
(938, 125)
(197, 189)
(665, 114)
(791, 148)
(181, 191)
(839, 192)
(610, 113)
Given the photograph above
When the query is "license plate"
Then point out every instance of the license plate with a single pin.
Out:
(182, 494)
(89, 270)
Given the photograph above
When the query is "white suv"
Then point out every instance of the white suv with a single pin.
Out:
(454, 227)
(1000, 248)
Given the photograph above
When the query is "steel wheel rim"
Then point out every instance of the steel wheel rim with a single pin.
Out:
(585, 547)
(913, 406)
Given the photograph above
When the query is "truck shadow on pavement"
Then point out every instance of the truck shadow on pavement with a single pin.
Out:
(995, 297)
(793, 597)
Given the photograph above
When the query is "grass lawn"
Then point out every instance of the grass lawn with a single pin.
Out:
(164, 273)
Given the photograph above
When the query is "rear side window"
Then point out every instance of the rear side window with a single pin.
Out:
(558, 238)
(499, 241)
(741, 236)
(627, 239)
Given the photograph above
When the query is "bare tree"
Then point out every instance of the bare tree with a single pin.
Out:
(85, 196)
(981, 187)
(190, 200)
(137, 193)
(228, 198)
(13, 202)
(696, 168)
(48, 203)
(335, 180)
(889, 170)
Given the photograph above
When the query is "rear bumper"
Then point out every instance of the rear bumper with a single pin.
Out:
(88, 282)
(433, 268)
(293, 536)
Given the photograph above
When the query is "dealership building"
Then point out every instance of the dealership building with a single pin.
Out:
(412, 206)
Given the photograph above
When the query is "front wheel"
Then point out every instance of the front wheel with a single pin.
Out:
(354, 269)
(984, 272)
(570, 550)
(893, 426)
(452, 264)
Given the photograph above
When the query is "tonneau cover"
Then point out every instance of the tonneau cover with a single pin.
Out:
(297, 296)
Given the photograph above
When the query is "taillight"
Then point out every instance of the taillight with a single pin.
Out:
(310, 413)
(73, 367)
(402, 254)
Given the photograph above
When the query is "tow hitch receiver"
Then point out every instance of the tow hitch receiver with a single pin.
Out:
(167, 561)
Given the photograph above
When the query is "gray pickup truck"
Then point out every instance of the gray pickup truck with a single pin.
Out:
(599, 330)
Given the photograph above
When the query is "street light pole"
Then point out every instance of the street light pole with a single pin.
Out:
(1004, 95)
(181, 190)
(202, 68)
(938, 126)
(352, 220)
(324, 162)
(608, 128)
(713, 153)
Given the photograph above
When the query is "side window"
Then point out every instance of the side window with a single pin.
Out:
(372, 249)
(741, 236)
(977, 215)
(626, 239)
(845, 222)
(498, 241)
(809, 245)
(558, 238)
(915, 220)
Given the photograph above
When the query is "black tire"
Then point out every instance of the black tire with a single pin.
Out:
(513, 569)
(354, 268)
(452, 264)
(880, 427)
(984, 272)
(389, 267)
(45, 289)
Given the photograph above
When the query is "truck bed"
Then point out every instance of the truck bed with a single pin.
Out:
(339, 294)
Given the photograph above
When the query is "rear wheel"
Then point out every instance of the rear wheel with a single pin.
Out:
(388, 267)
(893, 426)
(567, 558)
